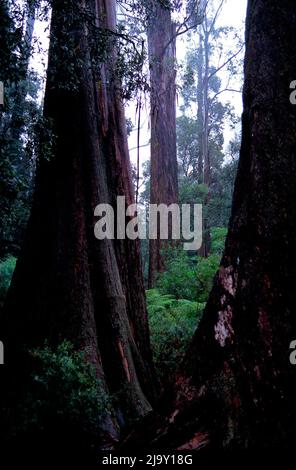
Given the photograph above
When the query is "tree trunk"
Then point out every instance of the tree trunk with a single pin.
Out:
(67, 284)
(206, 148)
(200, 109)
(237, 388)
(204, 161)
(164, 167)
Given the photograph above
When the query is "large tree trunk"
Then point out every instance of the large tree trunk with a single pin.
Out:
(237, 387)
(67, 284)
(164, 167)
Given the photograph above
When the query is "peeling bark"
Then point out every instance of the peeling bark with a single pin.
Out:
(164, 167)
(236, 384)
(67, 284)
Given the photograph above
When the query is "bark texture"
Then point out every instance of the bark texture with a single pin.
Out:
(200, 110)
(164, 167)
(67, 284)
(236, 388)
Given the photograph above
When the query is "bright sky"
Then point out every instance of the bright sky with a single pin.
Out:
(232, 14)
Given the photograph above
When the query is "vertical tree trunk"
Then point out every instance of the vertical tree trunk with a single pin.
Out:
(204, 161)
(205, 141)
(200, 109)
(237, 387)
(205, 146)
(67, 284)
(113, 134)
(164, 167)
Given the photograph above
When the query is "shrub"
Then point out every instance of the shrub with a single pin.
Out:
(64, 394)
(176, 306)
(172, 324)
(6, 271)
(218, 237)
(188, 277)
(206, 270)
(179, 279)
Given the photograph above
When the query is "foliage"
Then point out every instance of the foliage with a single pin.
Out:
(187, 144)
(131, 58)
(17, 162)
(190, 277)
(176, 306)
(9, 42)
(17, 116)
(218, 208)
(218, 236)
(6, 271)
(204, 82)
(64, 392)
(190, 192)
(180, 276)
(206, 270)
(172, 324)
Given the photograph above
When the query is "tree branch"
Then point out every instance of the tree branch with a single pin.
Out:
(225, 63)
(216, 16)
(185, 25)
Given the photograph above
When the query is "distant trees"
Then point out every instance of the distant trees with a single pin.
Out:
(17, 118)
(202, 88)
(22, 85)
(8, 42)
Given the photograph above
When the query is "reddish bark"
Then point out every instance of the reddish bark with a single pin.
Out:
(236, 385)
(164, 167)
(67, 284)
